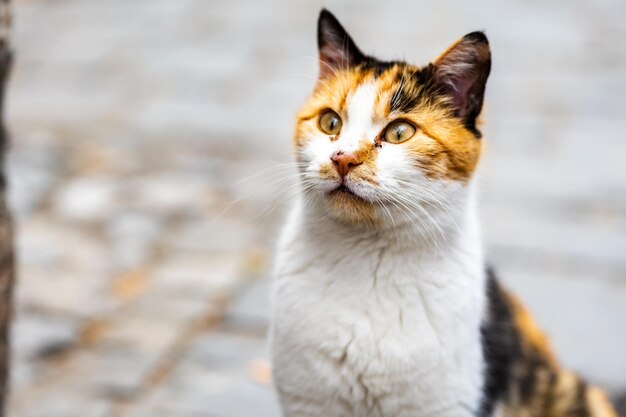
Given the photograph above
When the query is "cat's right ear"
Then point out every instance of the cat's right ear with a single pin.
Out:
(462, 70)
(337, 50)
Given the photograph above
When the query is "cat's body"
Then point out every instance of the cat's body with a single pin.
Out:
(377, 324)
(382, 305)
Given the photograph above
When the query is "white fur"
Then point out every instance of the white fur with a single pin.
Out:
(359, 125)
(385, 321)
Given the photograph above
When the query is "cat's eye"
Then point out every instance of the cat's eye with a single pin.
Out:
(398, 132)
(330, 122)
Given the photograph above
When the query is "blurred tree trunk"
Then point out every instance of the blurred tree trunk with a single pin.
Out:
(6, 231)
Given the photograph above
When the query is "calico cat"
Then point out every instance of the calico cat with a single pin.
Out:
(382, 304)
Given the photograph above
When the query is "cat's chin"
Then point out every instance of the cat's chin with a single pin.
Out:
(348, 207)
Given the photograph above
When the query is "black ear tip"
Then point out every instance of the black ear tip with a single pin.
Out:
(326, 18)
(478, 37)
(328, 27)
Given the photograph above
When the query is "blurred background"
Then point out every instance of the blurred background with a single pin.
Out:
(143, 137)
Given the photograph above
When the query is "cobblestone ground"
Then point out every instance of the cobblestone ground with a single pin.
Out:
(144, 258)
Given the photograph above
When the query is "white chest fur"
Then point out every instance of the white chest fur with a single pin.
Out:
(376, 323)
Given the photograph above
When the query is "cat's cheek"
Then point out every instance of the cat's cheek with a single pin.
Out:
(393, 164)
(315, 154)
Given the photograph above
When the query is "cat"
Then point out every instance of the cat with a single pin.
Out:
(381, 302)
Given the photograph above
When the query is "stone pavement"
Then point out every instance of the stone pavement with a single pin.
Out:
(143, 256)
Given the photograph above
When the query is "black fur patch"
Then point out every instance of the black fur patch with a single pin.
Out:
(478, 36)
(378, 67)
(415, 85)
(579, 405)
(501, 346)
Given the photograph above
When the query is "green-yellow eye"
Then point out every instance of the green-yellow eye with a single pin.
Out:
(398, 132)
(330, 122)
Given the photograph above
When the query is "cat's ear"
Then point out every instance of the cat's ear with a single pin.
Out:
(462, 70)
(337, 50)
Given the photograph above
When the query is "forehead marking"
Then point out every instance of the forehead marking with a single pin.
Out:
(362, 105)
(359, 118)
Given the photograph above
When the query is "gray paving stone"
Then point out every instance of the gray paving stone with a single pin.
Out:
(197, 275)
(133, 235)
(170, 193)
(34, 176)
(35, 336)
(218, 233)
(87, 199)
(215, 378)
(575, 237)
(251, 308)
(66, 407)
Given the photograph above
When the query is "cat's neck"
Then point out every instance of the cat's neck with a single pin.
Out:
(444, 233)
(319, 249)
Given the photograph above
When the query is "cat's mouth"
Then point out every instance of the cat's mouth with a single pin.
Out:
(345, 191)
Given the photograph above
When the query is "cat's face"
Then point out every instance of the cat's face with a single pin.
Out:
(381, 142)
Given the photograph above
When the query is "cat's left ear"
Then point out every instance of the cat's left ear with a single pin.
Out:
(337, 50)
(462, 70)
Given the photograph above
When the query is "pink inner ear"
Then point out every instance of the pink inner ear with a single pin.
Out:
(331, 60)
(463, 70)
(460, 91)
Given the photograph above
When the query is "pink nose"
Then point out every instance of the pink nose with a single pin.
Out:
(344, 162)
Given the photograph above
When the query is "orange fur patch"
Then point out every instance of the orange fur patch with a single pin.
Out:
(532, 335)
(598, 404)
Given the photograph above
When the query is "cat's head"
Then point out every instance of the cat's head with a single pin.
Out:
(382, 142)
